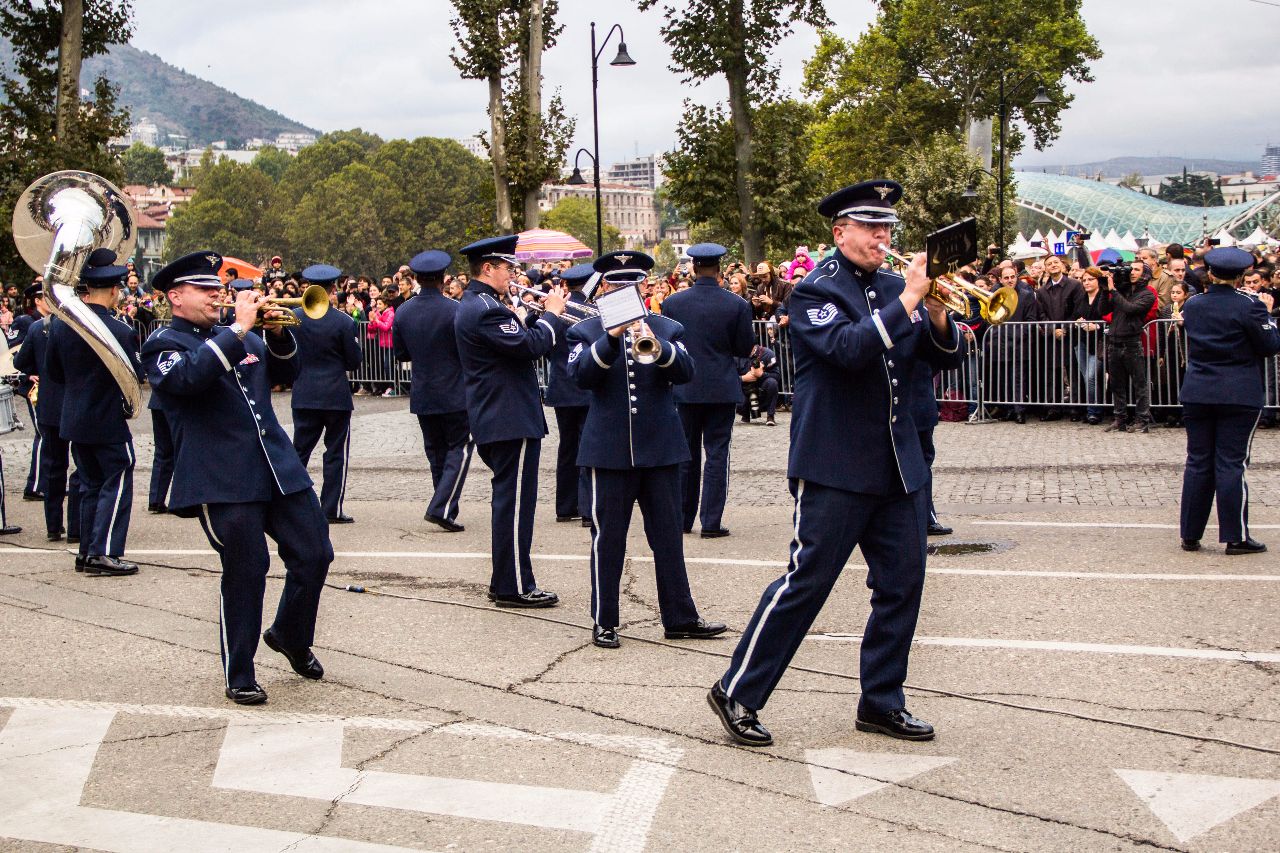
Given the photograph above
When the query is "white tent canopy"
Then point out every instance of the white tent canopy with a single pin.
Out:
(1224, 238)
(1128, 241)
(1259, 238)
(1112, 240)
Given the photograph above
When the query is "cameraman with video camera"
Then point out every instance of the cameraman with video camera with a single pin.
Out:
(760, 381)
(1129, 300)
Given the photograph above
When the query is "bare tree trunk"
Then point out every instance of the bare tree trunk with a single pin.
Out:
(740, 115)
(533, 106)
(70, 50)
(498, 153)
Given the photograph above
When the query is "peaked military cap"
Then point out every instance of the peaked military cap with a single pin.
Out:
(706, 253)
(430, 262)
(498, 248)
(31, 291)
(101, 269)
(198, 268)
(322, 274)
(623, 266)
(1228, 262)
(870, 201)
(577, 275)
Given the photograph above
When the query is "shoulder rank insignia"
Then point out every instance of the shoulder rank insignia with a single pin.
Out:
(824, 315)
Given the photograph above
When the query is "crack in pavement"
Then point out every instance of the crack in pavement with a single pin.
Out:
(555, 662)
(1218, 715)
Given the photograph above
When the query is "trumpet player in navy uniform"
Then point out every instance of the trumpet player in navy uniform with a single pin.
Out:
(1230, 337)
(423, 335)
(569, 402)
(214, 385)
(504, 408)
(628, 455)
(925, 413)
(328, 347)
(94, 421)
(855, 469)
(55, 457)
(15, 337)
(717, 327)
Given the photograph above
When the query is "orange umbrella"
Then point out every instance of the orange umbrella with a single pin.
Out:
(243, 268)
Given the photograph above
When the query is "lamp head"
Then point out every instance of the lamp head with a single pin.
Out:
(623, 58)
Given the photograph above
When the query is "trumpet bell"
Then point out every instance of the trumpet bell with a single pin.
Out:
(1000, 306)
(645, 349)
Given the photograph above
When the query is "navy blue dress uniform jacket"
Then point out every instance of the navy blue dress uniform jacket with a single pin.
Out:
(93, 407)
(1229, 334)
(30, 360)
(855, 348)
(632, 422)
(924, 400)
(327, 349)
(17, 335)
(215, 391)
(717, 327)
(498, 352)
(424, 335)
(562, 390)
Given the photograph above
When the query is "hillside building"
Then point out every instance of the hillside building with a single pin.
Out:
(632, 210)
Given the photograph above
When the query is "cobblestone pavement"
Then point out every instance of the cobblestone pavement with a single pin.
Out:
(996, 463)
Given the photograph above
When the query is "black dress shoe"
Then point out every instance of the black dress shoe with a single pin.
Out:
(252, 695)
(73, 539)
(771, 422)
(533, 598)
(1019, 418)
(586, 522)
(899, 724)
(158, 509)
(739, 721)
(10, 529)
(303, 662)
(1248, 546)
(700, 630)
(1075, 417)
(688, 530)
(714, 533)
(106, 565)
(80, 563)
(444, 524)
(1093, 420)
(605, 638)
(936, 529)
(54, 535)
(564, 518)
(341, 519)
(32, 496)
(1191, 544)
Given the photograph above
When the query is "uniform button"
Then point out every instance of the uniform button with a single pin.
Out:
(259, 417)
(633, 386)
(871, 294)
(633, 398)
(263, 432)
(893, 420)
(633, 411)
(895, 383)
(252, 403)
(895, 401)
(875, 310)
(631, 373)
(891, 363)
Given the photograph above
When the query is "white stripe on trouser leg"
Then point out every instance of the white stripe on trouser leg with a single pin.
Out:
(595, 554)
(515, 524)
(1244, 482)
(786, 583)
(39, 454)
(346, 457)
(115, 509)
(457, 483)
(208, 525)
(222, 630)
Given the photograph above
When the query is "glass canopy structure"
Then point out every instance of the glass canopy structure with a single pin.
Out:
(1086, 205)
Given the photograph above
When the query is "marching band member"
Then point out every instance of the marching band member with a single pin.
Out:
(322, 405)
(856, 469)
(504, 409)
(423, 335)
(569, 402)
(33, 302)
(235, 468)
(1229, 336)
(629, 458)
(717, 327)
(94, 421)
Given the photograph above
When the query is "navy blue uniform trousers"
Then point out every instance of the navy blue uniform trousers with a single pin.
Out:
(308, 425)
(54, 461)
(930, 452)
(106, 503)
(161, 460)
(515, 497)
(1218, 440)
(572, 491)
(613, 494)
(34, 482)
(828, 524)
(238, 532)
(447, 441)
(709, 424)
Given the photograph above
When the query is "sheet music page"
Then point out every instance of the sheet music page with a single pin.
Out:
(620, 307)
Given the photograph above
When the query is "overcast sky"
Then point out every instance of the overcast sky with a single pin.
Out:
(1179, 77)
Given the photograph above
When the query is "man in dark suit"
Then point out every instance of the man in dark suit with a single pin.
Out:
(504, 408)
(1230, 336)
(627, 451)
(423, 335)
(856, 468)
(235, 468)
(717, 327)
(94, 421)
(328, 347)
(570, 403)
(1010, 345)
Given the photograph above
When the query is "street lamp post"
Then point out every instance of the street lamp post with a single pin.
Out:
(623, 58)
(1041, 98)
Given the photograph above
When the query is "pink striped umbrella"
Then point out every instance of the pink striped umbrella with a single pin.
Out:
(541, 244)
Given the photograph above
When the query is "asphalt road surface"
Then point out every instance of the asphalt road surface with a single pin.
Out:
(1093, 686)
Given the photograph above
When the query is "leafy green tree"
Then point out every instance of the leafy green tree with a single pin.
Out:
(934, 179)
(664, 257)
(1193, 190)
(735, 39)
(348, 220)
(228, 213)
(30, 145)
(576, 216)
(145, 165)
(273, 162)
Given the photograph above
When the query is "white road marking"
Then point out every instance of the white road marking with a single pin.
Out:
(1092, 648)
(1104, 525)
(841, 775)
(710, 561)
(299, 755)
(1190, 804)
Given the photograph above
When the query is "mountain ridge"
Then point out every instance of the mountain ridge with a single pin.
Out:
(1118, 167)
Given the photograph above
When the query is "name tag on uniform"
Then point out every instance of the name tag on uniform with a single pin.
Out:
(250, 359)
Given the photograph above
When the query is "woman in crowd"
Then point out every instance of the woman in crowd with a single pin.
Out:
(381, 316)
(1171, 358)
(661, 290)
(738, 285)
(1088, 340)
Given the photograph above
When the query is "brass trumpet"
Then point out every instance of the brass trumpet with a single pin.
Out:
(951, 290)
(645, 348)
(314, 302)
